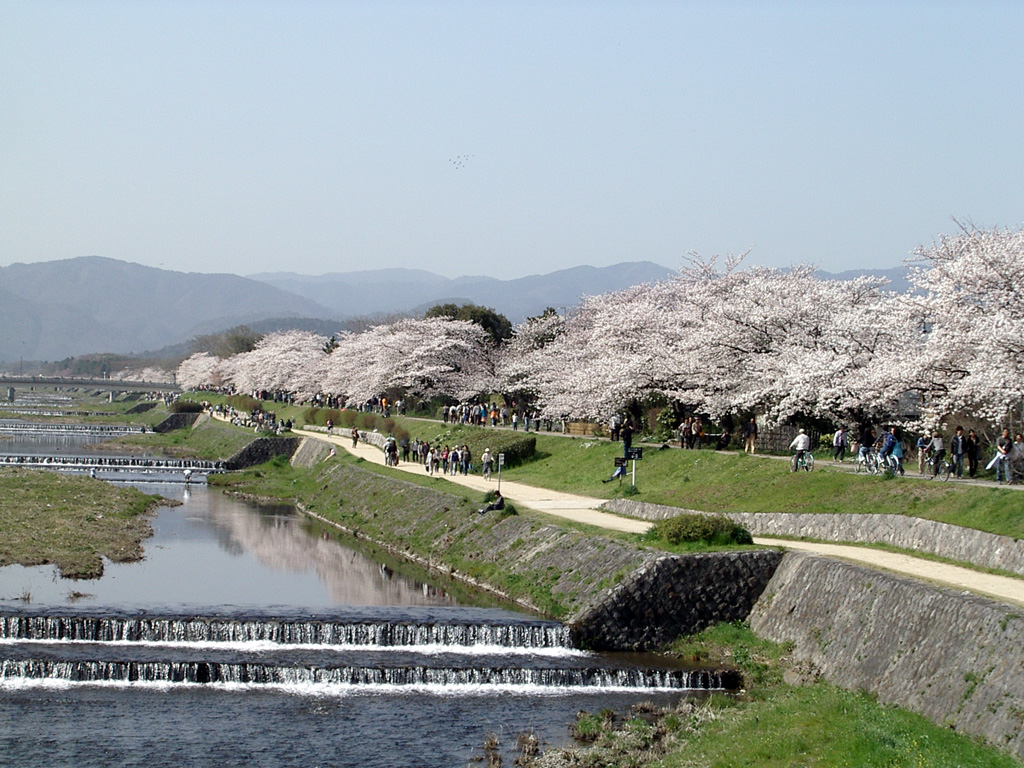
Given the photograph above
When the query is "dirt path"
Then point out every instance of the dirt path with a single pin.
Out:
(583, 509)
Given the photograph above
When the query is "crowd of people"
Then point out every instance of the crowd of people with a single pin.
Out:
(963, 451)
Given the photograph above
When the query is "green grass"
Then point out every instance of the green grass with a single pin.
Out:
(772, 723)
(729, 482)
(71, 522)
(213, 440)
(732, 482)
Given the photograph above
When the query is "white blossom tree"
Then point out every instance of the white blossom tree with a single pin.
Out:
(198, 371)
(972, 298)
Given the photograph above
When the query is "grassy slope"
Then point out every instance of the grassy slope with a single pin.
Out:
(212, 440)
(728, 482)
(731, 482)
(773, 724)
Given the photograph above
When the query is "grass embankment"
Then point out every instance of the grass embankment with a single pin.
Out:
(731, 482)
(92, 408)
(774, 723)
(71, 522)
(433, 521)
(709, 481)
(211, 441)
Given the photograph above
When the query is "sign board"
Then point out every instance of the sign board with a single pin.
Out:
(635, 454)
(501, 459)
(620, 461)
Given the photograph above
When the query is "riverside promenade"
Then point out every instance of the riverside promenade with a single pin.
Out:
(584, 509)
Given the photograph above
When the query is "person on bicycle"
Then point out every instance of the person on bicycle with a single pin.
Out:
(897, 450)
(937, 447)
(886, 443)
(865, 439)
(801, 443)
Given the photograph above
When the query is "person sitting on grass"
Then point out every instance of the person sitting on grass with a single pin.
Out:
(497, 504)
(620, 471)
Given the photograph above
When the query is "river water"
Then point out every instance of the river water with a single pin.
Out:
(250, 636)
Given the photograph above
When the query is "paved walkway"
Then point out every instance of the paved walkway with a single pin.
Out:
(583, 509)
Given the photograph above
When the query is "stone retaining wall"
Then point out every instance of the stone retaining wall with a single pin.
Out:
(309, 452)
(676, 595)
(262, 449)
(965, 545)
(958, 659)
(616, 596)
(176, 421)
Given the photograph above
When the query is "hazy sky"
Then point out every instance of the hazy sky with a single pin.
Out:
(504, 138)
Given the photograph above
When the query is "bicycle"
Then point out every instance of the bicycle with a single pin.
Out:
(889, 464)
(945, 468)
(805, 462)
(866, 462)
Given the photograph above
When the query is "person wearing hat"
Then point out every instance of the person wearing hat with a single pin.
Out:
(488, 462)
(801, 443)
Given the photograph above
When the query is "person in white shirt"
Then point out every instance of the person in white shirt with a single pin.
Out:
(801, 443)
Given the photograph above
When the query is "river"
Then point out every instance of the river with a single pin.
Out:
(249, 636)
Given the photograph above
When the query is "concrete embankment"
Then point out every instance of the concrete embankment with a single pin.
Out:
(966, 545)
(958, 659)
(614, 594)
(955, 658)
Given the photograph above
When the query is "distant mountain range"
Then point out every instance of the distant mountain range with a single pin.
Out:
(58, 309)
(353, 294)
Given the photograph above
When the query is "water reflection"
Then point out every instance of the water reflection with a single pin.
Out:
(215, 550)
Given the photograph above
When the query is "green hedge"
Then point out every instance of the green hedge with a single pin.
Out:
(244, 403)
(709, 529)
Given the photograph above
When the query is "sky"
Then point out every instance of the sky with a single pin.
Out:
(504, 138)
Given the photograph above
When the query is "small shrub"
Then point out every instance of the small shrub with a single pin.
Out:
(587, 727)
(244, 403)
(710, 529)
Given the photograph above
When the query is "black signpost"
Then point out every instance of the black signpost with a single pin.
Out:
(632, 454)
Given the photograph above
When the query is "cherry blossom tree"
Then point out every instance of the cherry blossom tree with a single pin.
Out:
(288, 361)
(148, 373)
(972, 299)
(199, 371)
(717, 340)
(428, 357)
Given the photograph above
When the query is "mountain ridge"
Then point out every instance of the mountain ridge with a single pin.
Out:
(93, 304)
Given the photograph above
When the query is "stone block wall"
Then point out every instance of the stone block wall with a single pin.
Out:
(965, 545)
(676, 595)
(262, 449)
(310, 452)
(176, 421)
(955, 658)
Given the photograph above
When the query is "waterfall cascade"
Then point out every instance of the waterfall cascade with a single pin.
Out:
(292, 652)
